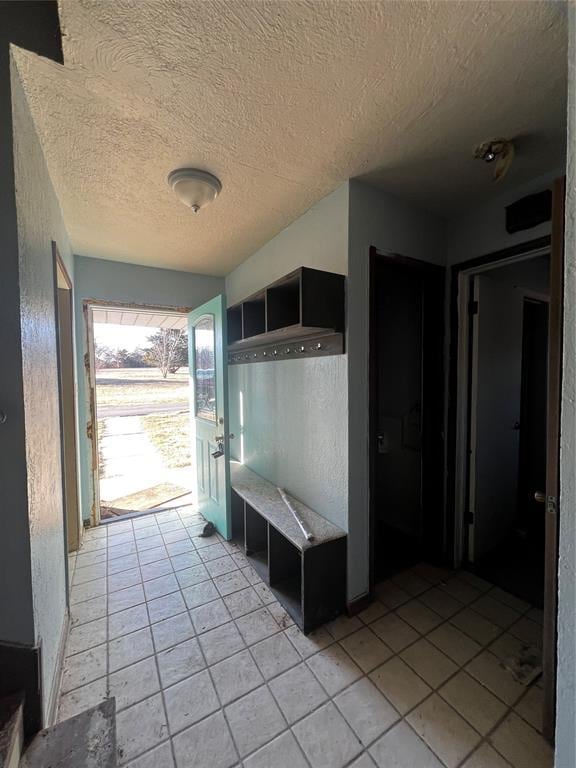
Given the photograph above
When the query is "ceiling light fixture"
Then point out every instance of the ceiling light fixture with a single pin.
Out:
(498, 151)
(195, 188)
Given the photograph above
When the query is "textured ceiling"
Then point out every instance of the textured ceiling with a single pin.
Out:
(284, 101)
(115, 316)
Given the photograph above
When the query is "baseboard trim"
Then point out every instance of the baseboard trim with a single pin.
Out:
(52, 708)
(359, 604)
(21, 668)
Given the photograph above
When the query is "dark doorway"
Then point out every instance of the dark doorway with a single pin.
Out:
(406, 407)
(514, 558)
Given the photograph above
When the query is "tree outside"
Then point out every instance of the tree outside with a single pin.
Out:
(167, 351)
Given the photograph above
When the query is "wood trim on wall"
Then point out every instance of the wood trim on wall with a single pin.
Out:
(92, 422)
(64, 311)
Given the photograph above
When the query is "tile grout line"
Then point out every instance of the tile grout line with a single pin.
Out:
(364, 674)
(510, 708)
(157, 666)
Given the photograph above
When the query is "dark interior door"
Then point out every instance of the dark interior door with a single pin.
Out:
(406, 411)
(553, 455)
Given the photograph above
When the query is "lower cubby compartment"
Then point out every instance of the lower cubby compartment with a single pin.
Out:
(307, 578)
(286, 574)
(256, 541)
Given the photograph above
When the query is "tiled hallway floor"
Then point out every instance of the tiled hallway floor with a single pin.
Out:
(209, 672)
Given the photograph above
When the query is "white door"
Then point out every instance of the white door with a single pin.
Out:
(496, 358)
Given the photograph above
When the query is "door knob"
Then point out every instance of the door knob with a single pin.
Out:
(3, 417)
(540, 497)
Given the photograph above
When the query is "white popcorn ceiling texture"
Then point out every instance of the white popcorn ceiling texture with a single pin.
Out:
(284, 101)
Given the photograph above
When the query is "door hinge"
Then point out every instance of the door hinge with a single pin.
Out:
(473, 307)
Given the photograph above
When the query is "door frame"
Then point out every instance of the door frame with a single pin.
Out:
(68, 425)
(88, 307)
(377, 257)
(554, 394)
(458, 419)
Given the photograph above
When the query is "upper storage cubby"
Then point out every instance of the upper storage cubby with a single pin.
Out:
(283, 303)
(302, 314)
(254, 316)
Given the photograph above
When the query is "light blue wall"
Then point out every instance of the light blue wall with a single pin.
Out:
(113, 281)
(380, 220)
(295, 429)
(295, 422)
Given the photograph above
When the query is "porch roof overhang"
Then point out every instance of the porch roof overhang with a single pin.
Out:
(149, 318)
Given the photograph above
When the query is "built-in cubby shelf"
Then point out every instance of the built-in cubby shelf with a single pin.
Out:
(307, 577)
(300, 315)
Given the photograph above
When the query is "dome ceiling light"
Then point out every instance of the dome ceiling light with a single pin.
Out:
(195, 188)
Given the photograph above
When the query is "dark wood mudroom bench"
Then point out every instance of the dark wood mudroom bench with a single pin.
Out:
(307, 577)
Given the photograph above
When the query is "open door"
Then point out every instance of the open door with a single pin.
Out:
(553, 457)
(209, 411)
(495, 387)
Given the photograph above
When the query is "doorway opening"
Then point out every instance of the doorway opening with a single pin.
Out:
(406, 412)
(141, 400)
(503, 424)
(506, 395)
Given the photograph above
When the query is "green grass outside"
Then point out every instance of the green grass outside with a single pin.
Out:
(141, 386)
(170, 434)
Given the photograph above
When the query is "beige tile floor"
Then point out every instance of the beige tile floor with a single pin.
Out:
(208, 670)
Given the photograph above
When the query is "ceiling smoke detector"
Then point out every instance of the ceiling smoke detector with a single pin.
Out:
(195, 188)
(497, 151)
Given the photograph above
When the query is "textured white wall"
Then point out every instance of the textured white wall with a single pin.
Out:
(295, 411)
(40, 222)
(566, 690)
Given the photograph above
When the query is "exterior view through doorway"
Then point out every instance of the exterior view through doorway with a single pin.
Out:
(141, 439)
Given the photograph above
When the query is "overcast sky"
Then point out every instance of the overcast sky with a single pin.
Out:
(128, 337)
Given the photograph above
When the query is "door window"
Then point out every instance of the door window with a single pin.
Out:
(204, 369)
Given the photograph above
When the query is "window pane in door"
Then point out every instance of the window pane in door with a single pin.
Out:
(204, 369)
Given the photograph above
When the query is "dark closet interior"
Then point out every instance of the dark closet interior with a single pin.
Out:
(406, 412)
